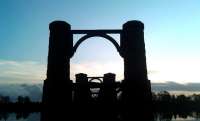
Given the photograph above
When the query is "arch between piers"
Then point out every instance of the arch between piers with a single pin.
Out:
(111, 39)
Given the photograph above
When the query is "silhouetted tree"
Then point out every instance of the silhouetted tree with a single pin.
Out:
(4, 99)
(7, 99)
(20, 99)
(27, 99)
(164, 96)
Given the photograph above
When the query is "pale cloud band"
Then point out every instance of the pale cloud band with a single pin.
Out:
(99, 69)
(35, 72)
(177, 69)
(21, 72)
(159, 70)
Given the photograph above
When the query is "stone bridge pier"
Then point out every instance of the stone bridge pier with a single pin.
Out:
(136, 88)
(57, 88)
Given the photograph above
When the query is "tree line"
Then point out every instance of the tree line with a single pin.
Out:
(22, 104)
(164, 101)
(20, 99)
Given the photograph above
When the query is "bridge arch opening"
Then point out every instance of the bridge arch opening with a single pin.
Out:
(98, 56)
(108, 37)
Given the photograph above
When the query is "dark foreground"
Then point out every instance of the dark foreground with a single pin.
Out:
(163, 106)
(157, 116)
(160, 111)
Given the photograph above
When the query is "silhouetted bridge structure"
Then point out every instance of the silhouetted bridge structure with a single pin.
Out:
(135, 87)
(105, 89)
(96, 84)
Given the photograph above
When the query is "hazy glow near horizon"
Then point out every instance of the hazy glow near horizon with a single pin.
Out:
(171, 37)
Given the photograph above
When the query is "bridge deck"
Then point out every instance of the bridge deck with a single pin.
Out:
(97, 85)
(98, 31)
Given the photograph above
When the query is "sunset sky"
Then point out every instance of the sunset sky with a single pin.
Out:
(172, 37)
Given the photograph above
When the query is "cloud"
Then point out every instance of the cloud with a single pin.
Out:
(35, 72)
(153, 71)
(98, 69)
(181, 70)
(21, 71)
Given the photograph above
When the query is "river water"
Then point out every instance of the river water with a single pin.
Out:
(193, 116)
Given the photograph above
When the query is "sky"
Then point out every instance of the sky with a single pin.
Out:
(171, 37)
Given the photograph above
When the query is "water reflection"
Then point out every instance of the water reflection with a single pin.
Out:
(19, 116)
(174, 116)
(37, 116)
(83, 114)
